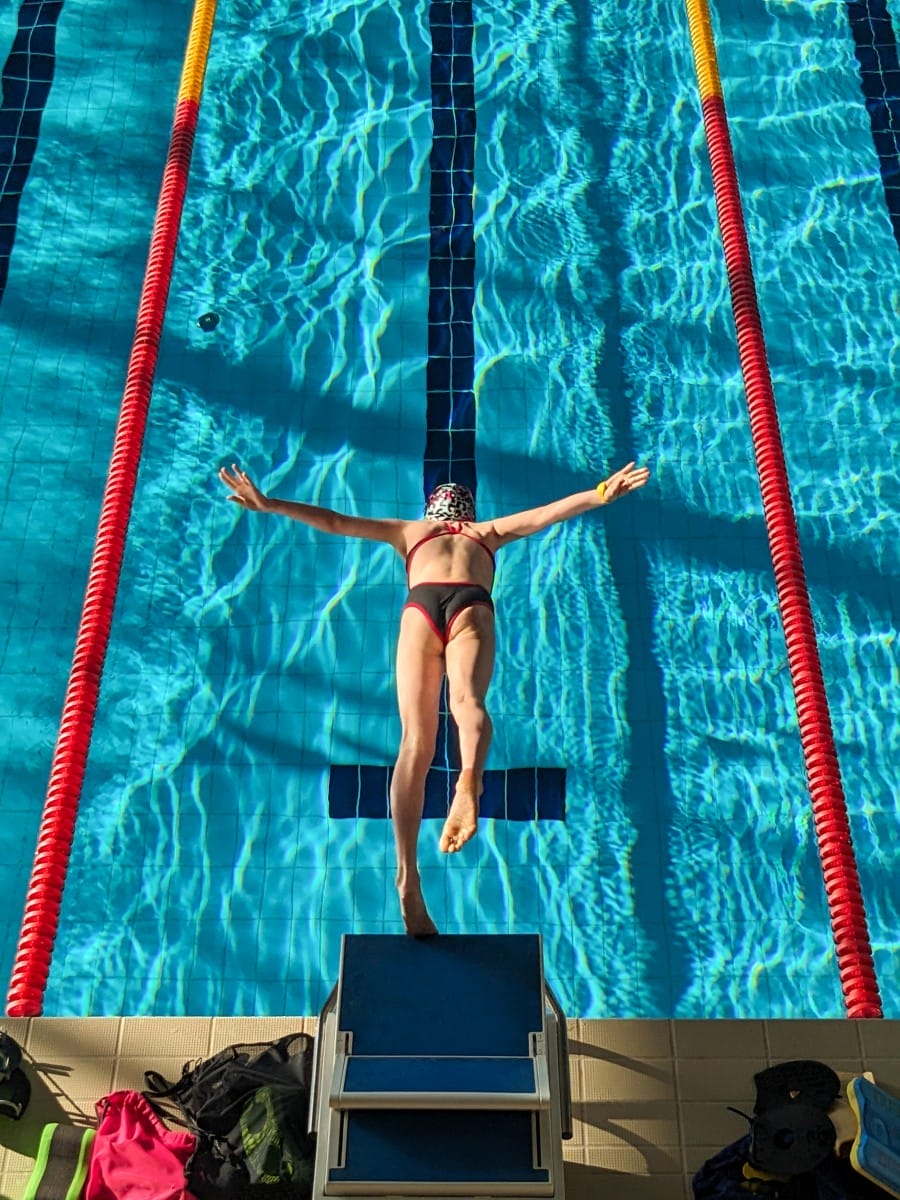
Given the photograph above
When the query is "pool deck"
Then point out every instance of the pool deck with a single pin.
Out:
(649, 1097)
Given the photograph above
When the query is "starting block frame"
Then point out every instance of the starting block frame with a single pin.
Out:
(441, 1070)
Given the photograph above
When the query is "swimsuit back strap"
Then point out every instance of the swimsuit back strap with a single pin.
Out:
(450, 532)
(421, 542)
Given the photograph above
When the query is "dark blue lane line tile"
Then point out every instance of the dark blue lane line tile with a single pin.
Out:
(876, 53)
(26, 81)
(519, 794)
(450, 370)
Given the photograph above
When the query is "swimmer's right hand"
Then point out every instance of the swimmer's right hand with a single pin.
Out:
(244, 490)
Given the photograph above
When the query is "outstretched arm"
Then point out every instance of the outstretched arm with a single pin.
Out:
(519, 525)
(245, 493)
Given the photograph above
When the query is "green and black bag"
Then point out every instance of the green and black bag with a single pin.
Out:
(248, 1106)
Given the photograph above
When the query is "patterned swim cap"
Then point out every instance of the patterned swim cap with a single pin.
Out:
(450, 502)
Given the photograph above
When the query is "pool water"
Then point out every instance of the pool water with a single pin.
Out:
(640, 648)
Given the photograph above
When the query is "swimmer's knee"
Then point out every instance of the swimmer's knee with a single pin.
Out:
(466, 702)
(418, 744)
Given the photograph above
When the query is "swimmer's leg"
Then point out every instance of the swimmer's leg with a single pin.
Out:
(420, 674)
(470, 664)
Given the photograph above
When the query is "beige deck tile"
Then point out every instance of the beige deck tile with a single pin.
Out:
(610, 1122)
(824, 1041)
(83, 1079)
(880, 1039)
(726, 1079)
(638, 1080)
(709, 1123)
(128, 1073)
(68, 1037)
(228, 1031)
(719, 1039)
(584, 1182)
(624, 1039)
(632, 1158)
(14, 1184)
(845, 1067)
(18, 1163)
(696, 1156)
(168, 1036)
(887, 1073)
(588, 1180)
(576, 1075)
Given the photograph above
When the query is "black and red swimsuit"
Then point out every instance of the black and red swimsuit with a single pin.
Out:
(441, 603)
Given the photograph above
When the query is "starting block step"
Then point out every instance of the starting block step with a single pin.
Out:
(441, 1083)
(462, 1152)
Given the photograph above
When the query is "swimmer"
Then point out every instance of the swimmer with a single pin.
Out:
(446, 628)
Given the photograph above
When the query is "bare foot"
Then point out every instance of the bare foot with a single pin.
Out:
(415, 914)
(462, 819)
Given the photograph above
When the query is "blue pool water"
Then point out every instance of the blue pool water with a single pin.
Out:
(641, 650)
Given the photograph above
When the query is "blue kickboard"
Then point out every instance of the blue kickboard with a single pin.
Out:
(509, 1076)
(459, 996)
(438, 1147)
(875, 1152)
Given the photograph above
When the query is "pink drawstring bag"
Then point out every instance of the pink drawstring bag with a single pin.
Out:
(135, 1157)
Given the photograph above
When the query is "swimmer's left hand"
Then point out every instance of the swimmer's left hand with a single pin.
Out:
(627, 479)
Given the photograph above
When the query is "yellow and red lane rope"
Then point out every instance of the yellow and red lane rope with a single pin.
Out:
(832, 826)
(44, 896)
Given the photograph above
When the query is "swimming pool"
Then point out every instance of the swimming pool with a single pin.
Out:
(641, 652)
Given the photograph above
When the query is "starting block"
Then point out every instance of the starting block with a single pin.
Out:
(441, 1070)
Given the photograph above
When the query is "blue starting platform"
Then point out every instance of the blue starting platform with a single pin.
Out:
(441, 1070)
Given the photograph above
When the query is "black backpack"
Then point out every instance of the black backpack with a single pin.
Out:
(248, 1106)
